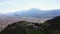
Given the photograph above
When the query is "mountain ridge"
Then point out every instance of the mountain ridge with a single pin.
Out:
(34, 12)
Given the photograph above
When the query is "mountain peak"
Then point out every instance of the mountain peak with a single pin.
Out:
(34, 9)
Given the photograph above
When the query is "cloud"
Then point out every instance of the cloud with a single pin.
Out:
(16, 5)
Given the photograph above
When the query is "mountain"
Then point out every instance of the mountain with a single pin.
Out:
(37, 13)
(31, 15)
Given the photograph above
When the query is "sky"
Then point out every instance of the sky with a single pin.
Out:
(7, 6)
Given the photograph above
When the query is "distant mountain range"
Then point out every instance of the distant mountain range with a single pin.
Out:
(32, 15)
(37, 13)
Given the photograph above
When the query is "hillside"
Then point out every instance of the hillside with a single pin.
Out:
(32, 15)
